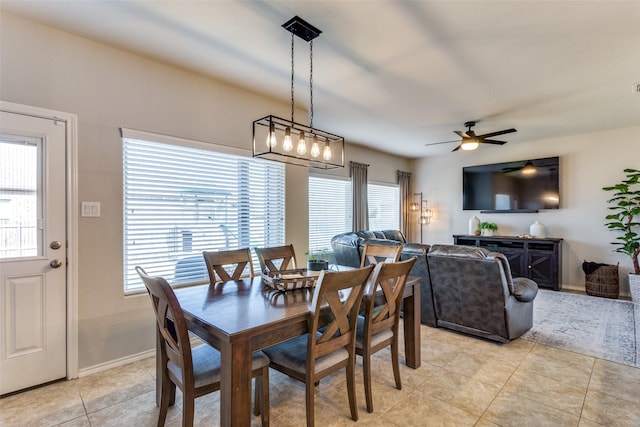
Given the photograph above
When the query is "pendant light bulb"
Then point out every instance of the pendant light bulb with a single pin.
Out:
(302, 144)
(271, 136)
(315, 147)
(287, 145)
(326, 151)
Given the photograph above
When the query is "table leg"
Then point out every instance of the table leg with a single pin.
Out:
(412, 328)
(235, 383)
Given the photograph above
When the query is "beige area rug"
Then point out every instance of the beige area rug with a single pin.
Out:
(594, 326)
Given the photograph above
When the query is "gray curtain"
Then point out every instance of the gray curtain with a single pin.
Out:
(360, 209)
(406, 196)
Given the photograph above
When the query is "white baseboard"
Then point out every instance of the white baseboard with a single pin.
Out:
(195, 341)
(116, 363)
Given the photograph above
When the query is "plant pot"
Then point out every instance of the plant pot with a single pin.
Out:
(634, 287)
(487, 232)
(317, 265)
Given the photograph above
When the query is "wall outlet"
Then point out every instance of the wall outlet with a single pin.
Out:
(90, 209)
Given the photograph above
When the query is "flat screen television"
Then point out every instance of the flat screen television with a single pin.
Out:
(521, 186)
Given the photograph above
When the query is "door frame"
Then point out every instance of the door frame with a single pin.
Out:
(71, 183)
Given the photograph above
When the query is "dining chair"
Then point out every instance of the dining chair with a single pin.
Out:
(378, 322)
(276, 258)
(373, 253)
(195, 371)
(327, 347)
(220, 263)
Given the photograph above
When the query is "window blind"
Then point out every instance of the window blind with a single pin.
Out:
(180, 201)
(329, 210)
(384, 207)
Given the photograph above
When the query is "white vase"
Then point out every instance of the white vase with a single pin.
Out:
(634, 287)
(473, 225)
(537, 229)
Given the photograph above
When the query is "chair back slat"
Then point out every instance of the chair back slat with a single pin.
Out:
(384, 293)
(373, 254)
(276, 258)
(220, 263)
(172, 326)
(341, 309)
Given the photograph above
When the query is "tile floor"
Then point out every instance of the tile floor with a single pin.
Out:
(463, 381)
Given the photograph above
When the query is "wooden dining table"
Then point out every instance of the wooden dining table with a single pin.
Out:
(240, 317)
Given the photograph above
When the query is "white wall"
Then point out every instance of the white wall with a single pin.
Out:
(108, 88)
(588, 162)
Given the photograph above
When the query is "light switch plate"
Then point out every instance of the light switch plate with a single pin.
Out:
(90, 209)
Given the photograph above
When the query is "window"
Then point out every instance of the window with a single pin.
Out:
(384, 207)
(329, 210)
(181, 198)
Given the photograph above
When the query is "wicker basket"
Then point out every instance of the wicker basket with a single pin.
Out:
(603, 282)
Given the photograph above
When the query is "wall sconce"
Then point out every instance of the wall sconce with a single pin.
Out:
(419, 204)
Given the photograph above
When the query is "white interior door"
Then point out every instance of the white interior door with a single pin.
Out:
(33, 258)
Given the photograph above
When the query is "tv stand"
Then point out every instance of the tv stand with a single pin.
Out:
(539, 259)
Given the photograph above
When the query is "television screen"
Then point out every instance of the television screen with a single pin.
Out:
(525, 186)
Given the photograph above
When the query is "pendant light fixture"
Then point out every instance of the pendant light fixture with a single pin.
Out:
(283, 140)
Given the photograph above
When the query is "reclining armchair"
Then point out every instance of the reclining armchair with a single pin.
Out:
(474, 293)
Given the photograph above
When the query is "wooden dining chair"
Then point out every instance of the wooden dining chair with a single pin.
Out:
(327, 347)
(276, 258)
(195, 371)
(378, 323)
(373, 253)
(220, 263)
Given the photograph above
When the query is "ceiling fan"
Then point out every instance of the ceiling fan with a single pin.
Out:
(470, 140)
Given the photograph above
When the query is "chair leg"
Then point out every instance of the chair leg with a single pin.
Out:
(366, 370)
(395, 361)
(351, 388)
(165, 395)
(309, 394)
(257, 395)
(188, 401)
(264, 401)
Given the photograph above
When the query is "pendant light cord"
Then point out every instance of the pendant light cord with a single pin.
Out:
(311, 83)
(292, 67)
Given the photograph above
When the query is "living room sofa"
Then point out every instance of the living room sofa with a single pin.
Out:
(348, 247)
(463, 288)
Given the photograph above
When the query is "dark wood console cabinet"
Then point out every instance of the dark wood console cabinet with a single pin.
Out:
(537, 259)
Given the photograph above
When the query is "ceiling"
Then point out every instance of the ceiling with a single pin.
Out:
(395, 75)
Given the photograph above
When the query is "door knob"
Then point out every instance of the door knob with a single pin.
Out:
(56, 263)
(55, 244)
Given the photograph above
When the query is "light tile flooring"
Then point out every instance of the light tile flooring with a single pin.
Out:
(463, 381)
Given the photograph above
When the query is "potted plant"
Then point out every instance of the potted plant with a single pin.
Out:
(625, 218)
(318, 260)
(488, 228)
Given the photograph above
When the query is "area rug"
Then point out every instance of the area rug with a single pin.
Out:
(594, 326)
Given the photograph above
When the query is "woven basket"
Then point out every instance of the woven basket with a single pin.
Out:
(603, 282)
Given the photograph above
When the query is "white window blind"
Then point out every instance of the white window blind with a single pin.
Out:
(329, 210)
(180, 200)
(384, 207)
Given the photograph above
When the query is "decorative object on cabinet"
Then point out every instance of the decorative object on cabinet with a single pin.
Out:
(488, 228)
(474, 222)
(537, 259)
(537, 229)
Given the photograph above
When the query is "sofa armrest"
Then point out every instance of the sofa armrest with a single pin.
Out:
(525, 290)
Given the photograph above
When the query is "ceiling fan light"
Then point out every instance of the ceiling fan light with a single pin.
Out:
(469, 145)
(529, 169)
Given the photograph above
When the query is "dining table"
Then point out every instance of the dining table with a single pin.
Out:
(240, 317)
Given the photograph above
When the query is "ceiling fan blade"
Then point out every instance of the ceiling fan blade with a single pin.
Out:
(493, 141)
(457, 148)
(442, 142)
(461, 134)
(500, 132)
